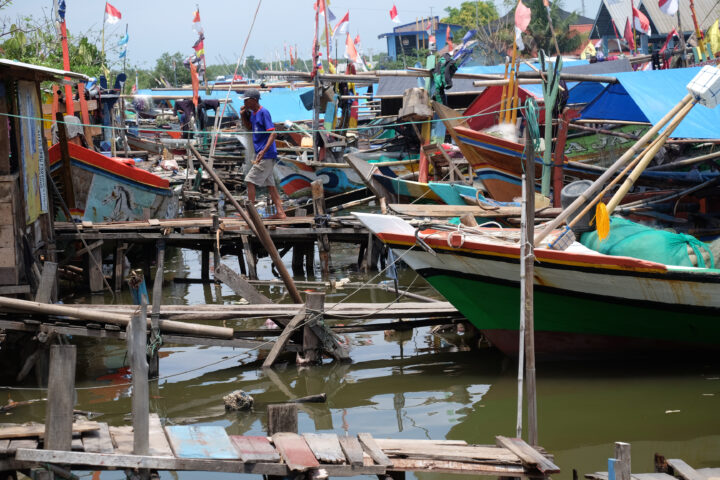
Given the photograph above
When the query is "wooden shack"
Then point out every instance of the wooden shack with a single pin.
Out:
(26, 203)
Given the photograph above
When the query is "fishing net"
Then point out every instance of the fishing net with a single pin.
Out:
(630, 239)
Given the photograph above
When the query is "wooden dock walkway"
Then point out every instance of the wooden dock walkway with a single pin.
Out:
(98, 446)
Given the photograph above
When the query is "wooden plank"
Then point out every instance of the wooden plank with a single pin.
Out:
(47, 108)
(444, 211)
(192, 441)
(239, 285)
(47, 282)
(77, 445)
(61, 397)
(106, 460)
(461, 453)
(7, 257)
(372, 449)
(159, 445)
(353, 450)
(137, 351)
(4, 444)
(294, 451)
(122, 438)
(528, 455)
(254, 449)
(98, 441)
(683, 470)
(7, 236)
(325, 447)
(284, 337)
(21, 443)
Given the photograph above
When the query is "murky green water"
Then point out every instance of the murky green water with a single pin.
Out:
(411, 385)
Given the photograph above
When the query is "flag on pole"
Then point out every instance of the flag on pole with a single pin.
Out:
(342, 26)
(394, 15)
(112, 14)
(321, 4)
(196, 23)
(199, 47)
(713, 36)
(59, 9)
(522, 20)
(123, 53)
(641, 22)
(124, 40)
(448, 38)
(350, 50)
(667, 40)
(668, 7)
(628, 35)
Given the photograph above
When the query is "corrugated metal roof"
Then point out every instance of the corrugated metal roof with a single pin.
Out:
(4, 62)
(661, 24)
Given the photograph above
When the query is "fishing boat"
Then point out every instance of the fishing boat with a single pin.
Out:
(111, 189)
(585, 302)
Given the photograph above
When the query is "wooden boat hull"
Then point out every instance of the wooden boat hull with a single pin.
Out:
(584, 303)
(295, 178)
(111, 190)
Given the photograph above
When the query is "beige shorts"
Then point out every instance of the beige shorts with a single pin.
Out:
(261, 174)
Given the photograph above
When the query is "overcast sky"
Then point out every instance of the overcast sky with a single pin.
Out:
(157, 26)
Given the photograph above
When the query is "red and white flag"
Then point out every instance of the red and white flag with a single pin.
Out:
(112, 14)
(342, 26)
(522, 20)
(668, 38)
(197, 25)
(394, 15)
(641, 22)
(668, 7)
(628, 35)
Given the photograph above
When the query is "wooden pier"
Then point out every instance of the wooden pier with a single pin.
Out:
(98, 446)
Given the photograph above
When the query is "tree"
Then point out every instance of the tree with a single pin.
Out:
(171, 68)
(539, 28)
(471, 15)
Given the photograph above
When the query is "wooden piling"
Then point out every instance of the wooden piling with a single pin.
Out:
(136, 342)
(216, 246)
(282, 418)
(47, 286)
(314, 307)
(61, 398)
(250, 256)
(94, 269)
(318, 196)
(623, 464)
(119, 259)
(153, 357)
(205, 264)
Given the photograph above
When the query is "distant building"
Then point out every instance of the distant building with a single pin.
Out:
(660, 24)
(407, 39)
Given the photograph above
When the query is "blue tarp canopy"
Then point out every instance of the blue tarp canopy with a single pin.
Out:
(647, 96)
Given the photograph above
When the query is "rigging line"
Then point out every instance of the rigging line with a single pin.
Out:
(232, 81)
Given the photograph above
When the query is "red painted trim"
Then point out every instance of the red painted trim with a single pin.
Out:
(113, 165)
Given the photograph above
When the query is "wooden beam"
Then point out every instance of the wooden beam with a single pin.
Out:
(136, 342)
(284, 338)
(239, 285)
(61, 398)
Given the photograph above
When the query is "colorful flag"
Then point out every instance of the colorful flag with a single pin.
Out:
(350, 50)
(522, 16)
(668, 7)
(518, 39)
(394, 15)
(641, 22)
(448, 38)
(195, 83)
(667, 40)
(628, 35)
(112, 14)
(342, 26)
(713, 36)
(124, 40)
(123, 53)
(59, 8)
(199, 47)
(322, 5)
(196, 24)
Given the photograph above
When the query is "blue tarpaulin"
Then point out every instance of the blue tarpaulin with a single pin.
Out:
(647, 96)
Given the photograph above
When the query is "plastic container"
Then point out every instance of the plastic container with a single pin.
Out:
(568, 195)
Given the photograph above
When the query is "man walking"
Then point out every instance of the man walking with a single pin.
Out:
(257, 119)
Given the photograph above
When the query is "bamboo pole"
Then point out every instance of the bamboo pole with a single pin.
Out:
(112, 318)
(552, 225)
(257, 227)
(646, 159)
(505, 83)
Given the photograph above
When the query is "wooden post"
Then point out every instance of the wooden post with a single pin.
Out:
(239, 285)
(282, 418)
(623, 466)
(250, 257)
(61, 398)
(136, 342)
(153, 357)
(44, 293)
(95, 274)
(318, 196)
(298, 257)
(216, 251)
(205, 264)
(119, 264)
(310, 260)
(314, 307)
(369, 254)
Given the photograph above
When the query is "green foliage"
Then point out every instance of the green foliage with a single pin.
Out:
(171, 68)
(471, 15)
(539, 28)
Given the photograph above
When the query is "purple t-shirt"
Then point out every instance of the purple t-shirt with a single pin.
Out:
(262, 125)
